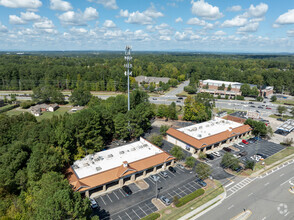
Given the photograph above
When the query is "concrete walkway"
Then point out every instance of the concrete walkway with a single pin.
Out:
(205, 207)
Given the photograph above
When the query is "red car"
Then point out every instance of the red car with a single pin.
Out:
(245, 142)
(268, 108)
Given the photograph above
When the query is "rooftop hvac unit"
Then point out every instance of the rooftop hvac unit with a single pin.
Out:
(98, 168)
(207, 125)
(109, 155)
(141, 146)
(209, 134)
(199, 135)
(121, 152)
(75, 166)
(145, 145)
(200, 127)
(86, 164)
(133, 149)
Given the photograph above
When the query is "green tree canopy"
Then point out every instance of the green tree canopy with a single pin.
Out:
(80, 97)
(177, 152)
(47, 94)
(203, 170)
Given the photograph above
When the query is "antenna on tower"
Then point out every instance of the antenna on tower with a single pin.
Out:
(128, 66)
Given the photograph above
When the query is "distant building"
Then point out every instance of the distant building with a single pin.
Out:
(209, 135)
(76, 108)
(52, 107)
(151, 79)
(212, 87)
(105, 170)
(1, 102)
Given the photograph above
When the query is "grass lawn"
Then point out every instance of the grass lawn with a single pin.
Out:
(284, 117)
(14, 112)
(47, 115)
(281, 102)
(229, 111)
(176, 213)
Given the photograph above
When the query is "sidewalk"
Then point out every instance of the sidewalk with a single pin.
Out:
(205, 207)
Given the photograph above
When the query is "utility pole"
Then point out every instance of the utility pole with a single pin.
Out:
(128, 66)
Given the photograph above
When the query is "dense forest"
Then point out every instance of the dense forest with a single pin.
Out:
(34, 155)
(105, 71)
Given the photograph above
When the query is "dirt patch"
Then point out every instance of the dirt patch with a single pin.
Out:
(142, 184)
(210, 183)
(159, 205)
(172, 123)
(234, 148)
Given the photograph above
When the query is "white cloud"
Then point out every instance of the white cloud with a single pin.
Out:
(30, 16)
(31, 4)
(195, 37)
(110, 4)
(258, 11)
(109, 24)
(78, 18)
(290, 33)
(237, 21)
(123, 13)
(181, 36)
(3, 28)
(44, 24)
(165, 38)
(251, 27)
(205, 10)
(196, 21)
(235, 8)
(60, 5)
(152, 12)
(78, 30)
(139, 18)
(13, 19)
(161, 26)
(140, 35)
(179, 19)
(220, 33)
(286, 18)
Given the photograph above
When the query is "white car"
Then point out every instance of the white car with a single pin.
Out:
(94, 204)
(217, 154)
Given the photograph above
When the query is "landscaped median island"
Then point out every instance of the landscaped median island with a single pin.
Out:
(152, 216)
(192, 201)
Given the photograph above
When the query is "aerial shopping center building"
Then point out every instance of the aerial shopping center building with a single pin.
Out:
(208, 135)
(117, 167)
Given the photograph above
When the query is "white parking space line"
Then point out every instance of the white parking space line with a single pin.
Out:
(231, 207)
(176, 193)
(102, 200)
(192, 186)
(250, 194)
(128, 215)
(171, 173)
(170, 195)
(109, 198)
(142, 210)
(136, 214)
(187, 188)
(282, 174)
(116, 195)
(148, 206)
(287, 181)
(122, 193)
(151, 180)
(266, 184)
(229, 184)
(119, 217)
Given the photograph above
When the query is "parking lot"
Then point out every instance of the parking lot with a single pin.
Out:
(116, 205)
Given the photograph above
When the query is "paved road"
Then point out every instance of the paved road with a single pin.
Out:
(268, 198)
(179, 89)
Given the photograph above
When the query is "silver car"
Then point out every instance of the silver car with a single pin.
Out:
(93, 203)
(164, 174)
(154, 177)
(165, 200)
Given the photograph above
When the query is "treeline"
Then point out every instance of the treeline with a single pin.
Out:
(106, 71)
(34, 155)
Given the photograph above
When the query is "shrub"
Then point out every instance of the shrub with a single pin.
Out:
(156, 140)
(239, 97)
(273, 98)
(8, 108)
(259, 98)
(176, 200)
(227, 97)
(190, 89)
(190, 161)
(177, 152)
(190, 197)
(152, 216)
(26, 104)
(202, 155)
(249, 164)
(219, 97)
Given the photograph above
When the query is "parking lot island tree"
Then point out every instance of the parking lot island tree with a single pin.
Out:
(156, 140)
(229, 161)
(190, 162)
(281, 109)
(203, 170)
(273, 98)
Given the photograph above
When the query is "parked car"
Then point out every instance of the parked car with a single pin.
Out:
(227, 149)
(201, 182)
(178, 101)
(268, 108)
(236, 156)
(164, 174)
(154, 98)
(251, 140)
(180, 166)
(243, 153)
(171, 169)
(257, 138)
(238, 169)
(244, 141)
(262, 155)
(127, 190)
(252, 106)
(180, 98)
(280, 119)
(94, 204)
(154, 177)
(165, 200)
(217, 154)
(210, 156)
(260, 107)
(251, 103)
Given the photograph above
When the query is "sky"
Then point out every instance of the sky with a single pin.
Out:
(158, 25)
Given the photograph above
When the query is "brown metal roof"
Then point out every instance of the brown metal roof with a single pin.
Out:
(201, 143)
(102, 178)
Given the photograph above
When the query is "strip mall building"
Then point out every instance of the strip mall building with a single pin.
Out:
(116, 167)
(208, 135)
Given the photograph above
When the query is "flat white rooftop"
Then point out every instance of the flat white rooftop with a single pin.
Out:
(221, 82)
(287, 125)
(208, 128)
(108, 159)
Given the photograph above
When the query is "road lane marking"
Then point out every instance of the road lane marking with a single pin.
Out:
(250, 194)
(282, 174)
(287, 181)
(231, 207)
(229, 184)
(109, 197)
(266, 184)
(116, 195)
(264, 218)
(128, 215)
(142, 210)
(102, 200)
(136, 213)
(122, 193)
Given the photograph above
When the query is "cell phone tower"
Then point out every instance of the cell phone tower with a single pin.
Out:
(128, 66)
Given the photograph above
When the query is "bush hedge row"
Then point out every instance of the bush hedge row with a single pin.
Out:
(7, 108)
(152, 216)
(189, 197)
